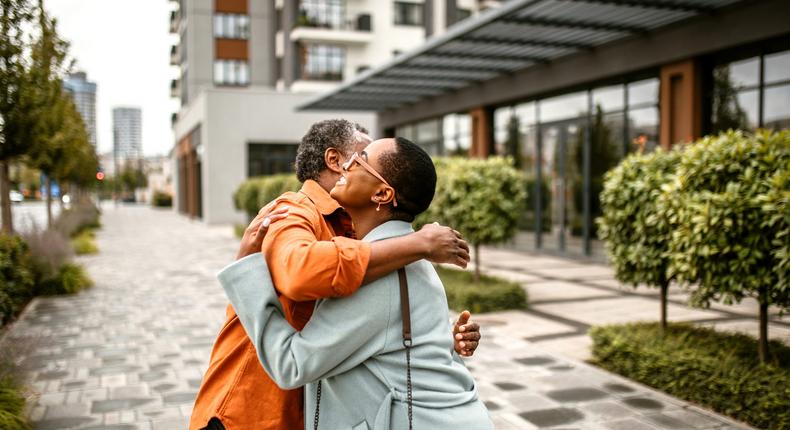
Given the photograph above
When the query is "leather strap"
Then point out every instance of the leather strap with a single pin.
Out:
(404, 306)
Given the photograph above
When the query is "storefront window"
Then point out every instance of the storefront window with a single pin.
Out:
(457, 133)
(738, 88)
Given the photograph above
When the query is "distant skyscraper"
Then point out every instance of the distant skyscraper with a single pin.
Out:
(126, 127)
(83, 92)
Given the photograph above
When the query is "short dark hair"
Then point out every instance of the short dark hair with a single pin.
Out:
(409, 169)
(332, 133)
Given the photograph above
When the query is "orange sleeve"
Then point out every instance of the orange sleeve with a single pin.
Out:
(304, 268)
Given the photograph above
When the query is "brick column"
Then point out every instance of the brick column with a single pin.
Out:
(680, 103)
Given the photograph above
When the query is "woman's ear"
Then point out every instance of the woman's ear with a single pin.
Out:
(384, 195)
(333, 160)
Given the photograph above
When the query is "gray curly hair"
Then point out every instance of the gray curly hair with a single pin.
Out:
(340, 134)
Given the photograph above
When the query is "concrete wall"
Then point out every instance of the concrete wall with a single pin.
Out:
(199, 45)
(235, 118)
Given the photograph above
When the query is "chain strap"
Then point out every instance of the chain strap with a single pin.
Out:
(406, 316)
(317, 405)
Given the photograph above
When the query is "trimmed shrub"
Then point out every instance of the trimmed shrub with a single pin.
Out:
(635, 232)
(722, 240)
(487, 295)
(482, 199)
(84, 243)
(17, 277)
(162, 199)
(717, 370)
(50, 250)
(70, 279)
(255, 193)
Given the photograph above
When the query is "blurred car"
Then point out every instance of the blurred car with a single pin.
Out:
(16, 196)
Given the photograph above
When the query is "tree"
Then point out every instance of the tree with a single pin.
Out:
(724, 238)
(635, 231)
(480, 198)
(53, 119)
(16, 96)
(727, 113)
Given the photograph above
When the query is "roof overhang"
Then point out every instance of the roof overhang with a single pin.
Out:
(519, 35)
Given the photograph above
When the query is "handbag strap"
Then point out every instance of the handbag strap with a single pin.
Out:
(407, 343)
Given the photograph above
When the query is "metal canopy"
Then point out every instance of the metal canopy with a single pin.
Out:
(518, 35)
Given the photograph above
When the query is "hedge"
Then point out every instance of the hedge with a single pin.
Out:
(162, 199)
(17, 276)
(713, 369)
(254, 193)
(487, 295)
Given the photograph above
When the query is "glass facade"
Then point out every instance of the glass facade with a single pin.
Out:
(231, 72)
(270, 158)
(752, 93)
(323, 62)
(407, 13)
(565, 145)
(322, 13)
(446, 136)
(231, 26)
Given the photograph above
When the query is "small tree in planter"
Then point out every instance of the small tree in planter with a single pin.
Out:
(723, 240)
(480, 198)
(635, 233)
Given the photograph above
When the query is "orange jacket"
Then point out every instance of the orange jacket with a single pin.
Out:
(308, 260)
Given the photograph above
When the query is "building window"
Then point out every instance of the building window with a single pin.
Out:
(322, 13)
(231, 72)
(231, 26)
(463, 14)
(270, 158)
(752, 93)
(408, 13)
(324, 62)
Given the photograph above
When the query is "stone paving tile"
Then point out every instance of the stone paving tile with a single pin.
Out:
(129, 353)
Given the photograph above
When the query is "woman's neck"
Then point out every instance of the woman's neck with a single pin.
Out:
(365, 220)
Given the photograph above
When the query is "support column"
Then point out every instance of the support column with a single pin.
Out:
(482, 132)
(680, 103)
(291, 54)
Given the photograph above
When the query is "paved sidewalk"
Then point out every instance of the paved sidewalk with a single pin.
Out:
(129, 353)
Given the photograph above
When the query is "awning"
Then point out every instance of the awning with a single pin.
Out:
(518, 35)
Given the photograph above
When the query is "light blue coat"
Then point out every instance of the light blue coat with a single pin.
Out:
(354, 345)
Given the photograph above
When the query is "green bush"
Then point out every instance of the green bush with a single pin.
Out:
(482, 199)
(722, 241)
(255, 193)
(635, 232)
(84, 243)
(70, 279)
(17, 277)
(717, 370)
(162, 199)
(12, 406)
(487, 295)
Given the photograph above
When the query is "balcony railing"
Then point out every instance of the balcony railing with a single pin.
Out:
(175, 88)
(362, 22)
(175, 59)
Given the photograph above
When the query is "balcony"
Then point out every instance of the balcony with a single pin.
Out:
(175, 55)
(349, 31)
(175, 88)
(175, 20)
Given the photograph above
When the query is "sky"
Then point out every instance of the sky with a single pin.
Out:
(124, 46)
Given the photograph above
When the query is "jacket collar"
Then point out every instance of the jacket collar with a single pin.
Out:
(387, 230)
(320, 197)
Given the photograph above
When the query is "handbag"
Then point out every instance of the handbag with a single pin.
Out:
(407, 343)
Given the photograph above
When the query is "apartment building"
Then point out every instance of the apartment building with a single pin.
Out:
(246, 65)
(83, 93)
(127, 134)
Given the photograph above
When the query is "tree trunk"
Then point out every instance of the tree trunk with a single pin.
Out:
(763, 340)
(48, 190)
(664, 290)
(477, 262)
(5, 199)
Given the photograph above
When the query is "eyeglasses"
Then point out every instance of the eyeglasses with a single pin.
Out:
(361, 161)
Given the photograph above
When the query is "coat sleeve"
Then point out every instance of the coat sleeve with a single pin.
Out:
(341, 334)
(305, 268)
